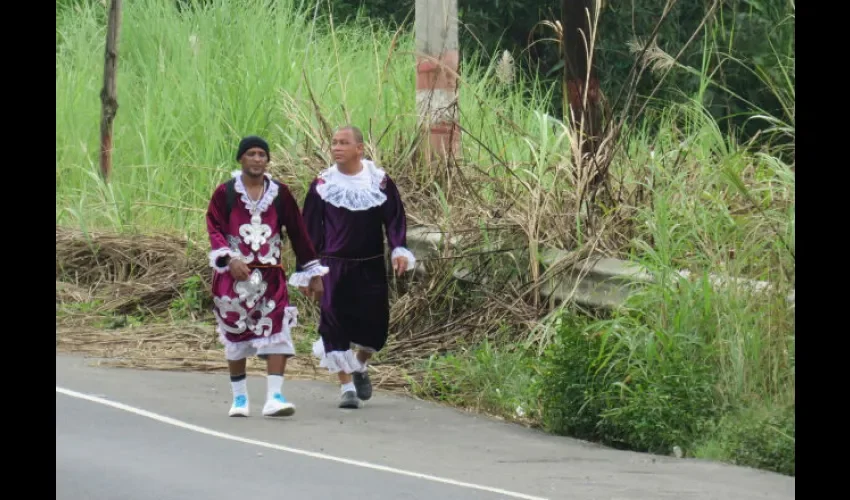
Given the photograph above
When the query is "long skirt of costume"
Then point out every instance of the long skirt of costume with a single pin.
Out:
(347, 217)
(256, 310)
(254, 315)
(355, 306)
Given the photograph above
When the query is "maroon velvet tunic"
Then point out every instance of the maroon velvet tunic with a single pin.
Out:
(257, 310)
(347, 217)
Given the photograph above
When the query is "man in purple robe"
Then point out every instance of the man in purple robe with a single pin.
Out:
(245, 219)
(347, 209)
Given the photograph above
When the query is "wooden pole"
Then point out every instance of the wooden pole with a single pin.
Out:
(579, 71)
(437, 59)
(109, 95)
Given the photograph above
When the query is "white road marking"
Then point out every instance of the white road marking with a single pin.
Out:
(322, 456)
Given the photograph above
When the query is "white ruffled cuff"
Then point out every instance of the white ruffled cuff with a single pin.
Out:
(311, 270)
(219, 253)
(403, 252)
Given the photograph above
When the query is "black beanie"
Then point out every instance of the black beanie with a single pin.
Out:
(252, 141)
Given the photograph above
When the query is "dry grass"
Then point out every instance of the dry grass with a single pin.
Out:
(105, 282)
(102, 278)
(187, 347)
(127, 272)
(173, 347)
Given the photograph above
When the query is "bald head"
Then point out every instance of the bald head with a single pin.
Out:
(347, 149)
(355, 132)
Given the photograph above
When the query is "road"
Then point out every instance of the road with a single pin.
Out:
(162, 435)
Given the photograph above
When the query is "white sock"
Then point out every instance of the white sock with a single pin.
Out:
(239, 388)
(364, 365)
(274, 385)
(348, 387)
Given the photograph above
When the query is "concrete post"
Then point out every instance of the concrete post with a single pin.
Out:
(436, 75)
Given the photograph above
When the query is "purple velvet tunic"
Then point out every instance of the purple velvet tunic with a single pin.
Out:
(257, 310)
(347, 224)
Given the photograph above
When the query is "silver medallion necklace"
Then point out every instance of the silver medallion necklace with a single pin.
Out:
(256, 233)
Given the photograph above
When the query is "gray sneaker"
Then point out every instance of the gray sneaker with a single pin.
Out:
(349, 400)
(363, 385)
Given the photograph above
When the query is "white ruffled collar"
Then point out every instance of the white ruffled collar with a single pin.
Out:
(265, 201)
(361, 191)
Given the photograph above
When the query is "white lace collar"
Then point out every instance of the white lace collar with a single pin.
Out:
(360, 191)
(265, 201)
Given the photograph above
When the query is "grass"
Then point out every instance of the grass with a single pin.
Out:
(685, 363)
(485, 378)
(188, 90)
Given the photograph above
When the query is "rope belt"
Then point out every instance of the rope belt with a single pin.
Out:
(265, 266)
(353, 259)
(347, 259)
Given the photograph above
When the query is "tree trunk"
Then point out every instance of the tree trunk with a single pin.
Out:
(109, 96)
(580, 76)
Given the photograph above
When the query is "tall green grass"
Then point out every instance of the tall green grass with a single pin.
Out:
(191, 84)
(686, 363)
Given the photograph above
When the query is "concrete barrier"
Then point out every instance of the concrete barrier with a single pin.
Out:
(595, 282)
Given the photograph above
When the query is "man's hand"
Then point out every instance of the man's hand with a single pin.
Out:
(239, 270)
(399, 265)
(316, 288)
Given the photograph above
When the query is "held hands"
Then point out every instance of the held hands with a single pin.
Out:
(315, 289)
(399, 265)
(239, 270)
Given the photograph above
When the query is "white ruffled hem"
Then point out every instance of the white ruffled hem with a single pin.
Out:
(221, 252)
(311, 270)
(403, 252)
(337, 361)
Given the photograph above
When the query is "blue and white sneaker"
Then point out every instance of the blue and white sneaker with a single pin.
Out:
(240, 407)
(278, 406)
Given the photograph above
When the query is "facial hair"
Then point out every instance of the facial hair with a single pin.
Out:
(248, 173)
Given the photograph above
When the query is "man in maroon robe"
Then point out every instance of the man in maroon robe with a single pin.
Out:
(348, 208)
(245, 219)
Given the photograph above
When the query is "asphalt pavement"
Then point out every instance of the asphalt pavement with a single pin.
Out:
(131, 434)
